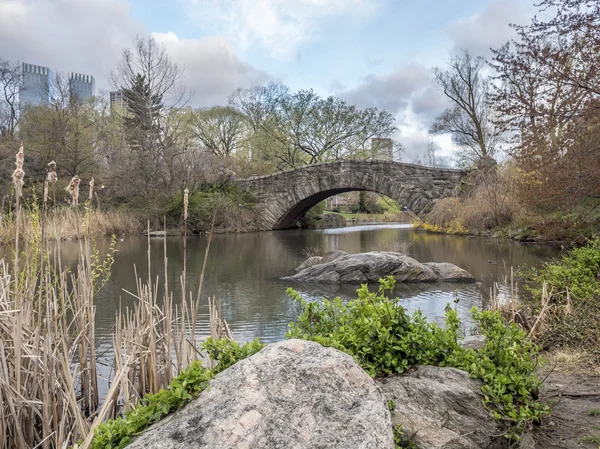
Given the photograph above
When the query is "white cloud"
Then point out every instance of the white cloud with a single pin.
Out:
(211, 67)
(490, 28)
(68, 35)
(280, 26)
(89, 36)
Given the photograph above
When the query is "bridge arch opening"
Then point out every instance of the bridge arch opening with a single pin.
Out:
(293, 216)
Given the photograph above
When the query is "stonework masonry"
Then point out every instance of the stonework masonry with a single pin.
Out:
(281, 198)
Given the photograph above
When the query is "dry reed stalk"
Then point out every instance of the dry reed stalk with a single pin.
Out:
(545, 302)
(185, 204)
(91, 192)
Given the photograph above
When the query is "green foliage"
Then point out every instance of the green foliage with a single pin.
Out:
(593, 438)
(225, 202)
(226, 352)
(400, 439)
(578, 270)
(118, 433)
(391, 405)
(376, 331)
(507, 365)
(573, 318)
(594, 412)
(100, 268)
(384, 340)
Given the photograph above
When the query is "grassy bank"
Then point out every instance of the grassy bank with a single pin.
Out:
(68, 223)
(389, 216)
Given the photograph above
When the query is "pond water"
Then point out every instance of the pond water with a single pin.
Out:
(244, 270)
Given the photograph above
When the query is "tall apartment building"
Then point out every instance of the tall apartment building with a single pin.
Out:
(81, 85)
(36, 84)
(117, 100)
(382, 149)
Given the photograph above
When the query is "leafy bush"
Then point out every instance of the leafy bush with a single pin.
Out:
(384, 339)
(572, 319)
(226, 202)
(118, 433)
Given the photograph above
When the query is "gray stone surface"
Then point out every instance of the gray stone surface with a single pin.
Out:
(281, 198)
(293, 394)
(371, 266)
(473, 342)
(442, 408)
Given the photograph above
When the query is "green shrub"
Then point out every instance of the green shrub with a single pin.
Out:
(574, 323)
(226, 202)
(384, 340)
(118, 433)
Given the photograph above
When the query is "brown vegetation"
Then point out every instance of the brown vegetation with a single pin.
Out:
(490, 201)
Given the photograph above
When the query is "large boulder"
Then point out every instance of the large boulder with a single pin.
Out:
(293, 394)
(442, 408)
(370, 267)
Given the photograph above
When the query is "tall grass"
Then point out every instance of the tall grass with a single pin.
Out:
(67, 224)
(49, 376)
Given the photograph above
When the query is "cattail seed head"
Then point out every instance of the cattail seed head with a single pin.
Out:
(20, 157)
(17, 177)
(73, 189)
(185, 203)
(19, 174)
(51, 177)
(91, 195)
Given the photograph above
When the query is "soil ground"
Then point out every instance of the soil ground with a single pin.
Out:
(575, 397)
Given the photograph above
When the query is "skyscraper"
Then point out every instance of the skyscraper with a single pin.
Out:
(81, 85)
(37, 82)
(117, 101)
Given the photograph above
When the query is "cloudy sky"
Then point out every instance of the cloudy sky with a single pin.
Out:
(370, 52)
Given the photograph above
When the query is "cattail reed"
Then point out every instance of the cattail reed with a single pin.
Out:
(91, 195)
(19, 174)
(73, 189)
(51, 176)
(45, 191)
(186, 193)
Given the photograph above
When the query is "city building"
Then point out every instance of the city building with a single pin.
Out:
(117, 100)
(81, 85)
(382, 149)
(36, 85)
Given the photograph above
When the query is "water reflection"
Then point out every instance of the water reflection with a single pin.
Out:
(244, 272)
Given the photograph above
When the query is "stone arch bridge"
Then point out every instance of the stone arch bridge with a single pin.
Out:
(284, 197)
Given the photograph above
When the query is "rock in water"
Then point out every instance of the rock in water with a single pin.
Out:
(442, 408)
(293, 394)
(370, 267)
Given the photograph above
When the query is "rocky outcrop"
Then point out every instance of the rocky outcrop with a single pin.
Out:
(292, 394)
(442, 408)
(370, 267)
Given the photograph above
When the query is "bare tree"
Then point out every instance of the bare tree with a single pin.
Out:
(68, 129)
(431, 158)
(548, 95)
(219, 129)
(469, 119)
(303, 128)
(10, 82)
(154, 103)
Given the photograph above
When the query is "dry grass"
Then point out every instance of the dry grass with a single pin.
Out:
(68, 224)
(572, 361)
(490, 202)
